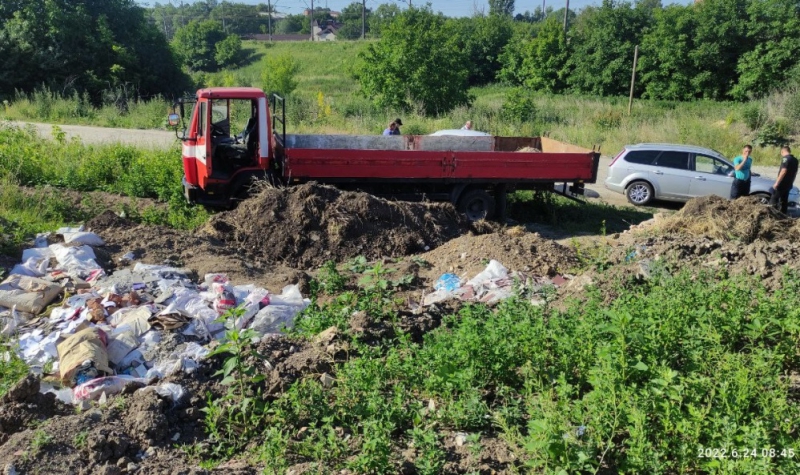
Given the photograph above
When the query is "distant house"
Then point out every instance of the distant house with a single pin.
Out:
(325, 32)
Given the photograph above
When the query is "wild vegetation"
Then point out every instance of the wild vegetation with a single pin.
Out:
(665, 371)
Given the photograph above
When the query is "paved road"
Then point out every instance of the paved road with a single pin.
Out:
(163, 139)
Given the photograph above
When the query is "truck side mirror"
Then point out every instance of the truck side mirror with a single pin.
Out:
(173, 120)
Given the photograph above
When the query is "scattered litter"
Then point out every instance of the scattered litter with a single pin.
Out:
(27, 294)
(173, 392)
(83, 355)
(490, 286)
(94, 389)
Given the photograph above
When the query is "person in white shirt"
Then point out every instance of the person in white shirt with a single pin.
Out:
(467, 126)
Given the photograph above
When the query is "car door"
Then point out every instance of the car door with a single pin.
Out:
(671, 172)
(711, 177)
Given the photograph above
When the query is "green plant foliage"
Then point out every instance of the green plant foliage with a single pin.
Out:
(278, 74)
(416, 63)
(196, 44)
(519, 105)
(602, 43)
(483, 39)
(83, 46)
(228, 52)
(538, 62)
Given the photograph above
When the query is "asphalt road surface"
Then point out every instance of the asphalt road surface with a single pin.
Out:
(162, 139)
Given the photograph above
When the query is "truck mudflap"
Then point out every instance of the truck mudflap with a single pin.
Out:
(189, 191)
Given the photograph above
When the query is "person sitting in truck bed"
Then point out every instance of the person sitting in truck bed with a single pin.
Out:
(391, 130)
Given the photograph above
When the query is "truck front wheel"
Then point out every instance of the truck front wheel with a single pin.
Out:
(476, 205)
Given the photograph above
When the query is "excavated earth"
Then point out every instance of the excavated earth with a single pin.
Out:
(278, 238)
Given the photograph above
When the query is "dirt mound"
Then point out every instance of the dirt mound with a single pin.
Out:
(307, 225)
(744, 219)
(514, 248)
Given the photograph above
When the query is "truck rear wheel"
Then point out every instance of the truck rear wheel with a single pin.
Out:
(476, 205)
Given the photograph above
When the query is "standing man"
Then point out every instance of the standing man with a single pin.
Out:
(467, 126)
(741, 174)
(783, 185)
(397, 123)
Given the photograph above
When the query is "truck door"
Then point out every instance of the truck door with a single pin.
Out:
(203, 143)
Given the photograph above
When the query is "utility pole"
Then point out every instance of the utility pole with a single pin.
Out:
(363, 19)
(633, 77)
(544, 12)
(269, 19)
(566, 19)
(312, 20)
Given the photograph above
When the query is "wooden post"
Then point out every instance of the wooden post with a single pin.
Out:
(566, 19)
(269, 19)
(312, 20)
(633, 77)
(364, 19)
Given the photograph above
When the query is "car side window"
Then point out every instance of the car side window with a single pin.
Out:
(641, 157)
(202, 118)
(670, 159)
(704, 164)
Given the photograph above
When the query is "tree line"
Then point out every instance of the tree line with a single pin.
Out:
(713, 49)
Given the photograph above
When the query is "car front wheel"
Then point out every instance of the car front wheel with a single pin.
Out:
(763, 198)
(639, 193)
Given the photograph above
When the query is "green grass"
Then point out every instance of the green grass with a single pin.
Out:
(327, 100)
(26, 159)
(638, 385)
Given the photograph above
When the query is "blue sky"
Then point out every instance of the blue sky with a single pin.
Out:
(448, 7)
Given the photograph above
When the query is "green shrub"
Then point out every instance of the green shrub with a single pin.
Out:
(519, 105)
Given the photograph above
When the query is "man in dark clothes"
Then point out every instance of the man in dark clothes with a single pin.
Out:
(783, 185)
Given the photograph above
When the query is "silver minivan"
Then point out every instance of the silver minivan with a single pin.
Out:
(645, 172)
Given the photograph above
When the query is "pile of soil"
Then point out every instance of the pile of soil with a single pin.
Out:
(203, 254)
(305, 226)
(744, 219)
(514, 248)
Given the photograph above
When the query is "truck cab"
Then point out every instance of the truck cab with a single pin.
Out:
(226, 142)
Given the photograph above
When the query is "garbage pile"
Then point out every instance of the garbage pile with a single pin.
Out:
(492, 285)
(92, 335)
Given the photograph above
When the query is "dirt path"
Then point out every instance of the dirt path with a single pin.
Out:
(104, 135)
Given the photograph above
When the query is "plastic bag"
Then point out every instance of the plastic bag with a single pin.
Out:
(211, 279)
(493, 271)
(448, 283)
(173, 392)
(224, 299)
(93, 389)
(79, 260)
(280, 312)
(33, 267)
(83, 238)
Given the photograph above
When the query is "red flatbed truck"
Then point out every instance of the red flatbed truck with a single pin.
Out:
(473, 172)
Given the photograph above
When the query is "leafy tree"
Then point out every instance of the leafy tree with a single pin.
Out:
(483, 39)
(666, 67)
(720, 39)
(290, 24)
(774, 26)
(501, 7)
(351, 21)
(84, 45)
(278, 74)
(539, 62)
(195, 44)
(228, 51)
(416, 62)
(602, 41)
(383, 16)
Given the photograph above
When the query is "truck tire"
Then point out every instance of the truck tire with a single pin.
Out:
(476, 205)
(639, 193)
